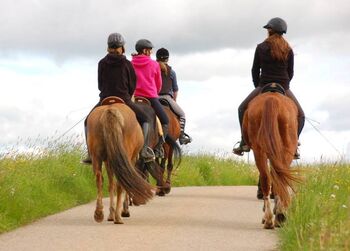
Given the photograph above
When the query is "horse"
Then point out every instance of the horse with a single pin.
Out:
(114, 137)
(171, 148)
(270, 130)
(174, 132)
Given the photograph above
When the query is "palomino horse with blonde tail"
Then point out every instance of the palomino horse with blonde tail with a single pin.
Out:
(270, 129)
(115, 138)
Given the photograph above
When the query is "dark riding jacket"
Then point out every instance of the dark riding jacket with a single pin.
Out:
(267, 69)
(116, 77)
(169, 82)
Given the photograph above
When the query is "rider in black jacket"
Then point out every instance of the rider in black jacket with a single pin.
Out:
(273, 63)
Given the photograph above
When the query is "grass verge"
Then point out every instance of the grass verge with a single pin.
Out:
(319, 217)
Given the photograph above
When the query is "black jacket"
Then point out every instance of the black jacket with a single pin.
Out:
(266, 69)
(116, 77)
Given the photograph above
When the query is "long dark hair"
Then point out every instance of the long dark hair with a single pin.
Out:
(279, 47)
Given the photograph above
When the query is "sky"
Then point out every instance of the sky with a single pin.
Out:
(49, 52)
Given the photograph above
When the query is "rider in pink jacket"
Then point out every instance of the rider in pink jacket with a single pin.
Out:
(149, 78)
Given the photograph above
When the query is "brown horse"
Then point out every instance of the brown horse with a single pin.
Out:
(174, 132)
(115, 138)
(270, 129)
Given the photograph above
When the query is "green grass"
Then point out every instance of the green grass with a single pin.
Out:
(206, 170)
(36, 185)
(319, 217)
(52, 180)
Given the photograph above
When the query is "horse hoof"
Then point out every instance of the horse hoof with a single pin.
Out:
(125, 214)
(279, 220)
(160, 193)
(98, 216)
(269, 225)
(110, 218)
(118, 222)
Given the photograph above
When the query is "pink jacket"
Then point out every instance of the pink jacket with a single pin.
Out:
(148, 76)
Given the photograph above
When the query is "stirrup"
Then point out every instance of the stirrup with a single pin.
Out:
(296, 154)
(240, 149)
(147, 154)
(185, 139)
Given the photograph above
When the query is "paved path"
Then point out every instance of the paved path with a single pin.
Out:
(189, 218)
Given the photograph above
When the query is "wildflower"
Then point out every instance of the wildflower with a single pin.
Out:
(333, 196)
(12, 192)
(336, 187)
(344, 206)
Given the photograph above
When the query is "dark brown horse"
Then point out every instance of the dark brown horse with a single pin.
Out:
(171, 148)
(270, 129)
(115, 138)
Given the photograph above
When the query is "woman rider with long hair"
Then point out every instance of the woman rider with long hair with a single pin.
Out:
(273, 63)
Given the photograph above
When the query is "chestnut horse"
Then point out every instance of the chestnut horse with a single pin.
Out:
(270, 129)
(115, 137)
(174, 132)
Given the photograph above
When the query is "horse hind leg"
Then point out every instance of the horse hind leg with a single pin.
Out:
(126, 212)
(119, 208)
(112, 192)
(261, 163)
(97, 165)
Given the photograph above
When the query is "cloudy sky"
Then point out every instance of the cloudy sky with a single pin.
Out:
(49, 52)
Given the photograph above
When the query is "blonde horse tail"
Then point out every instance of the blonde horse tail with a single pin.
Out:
(112, 123)
(270, 137)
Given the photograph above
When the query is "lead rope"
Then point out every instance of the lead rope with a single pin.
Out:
(62, 135)
(322, 135)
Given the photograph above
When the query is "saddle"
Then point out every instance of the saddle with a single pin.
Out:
(145, 101)
(273, 87)
(166, 103)
(112, 100)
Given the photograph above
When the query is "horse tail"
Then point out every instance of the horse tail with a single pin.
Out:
(112, 123)
(271, 140)
(176, 149)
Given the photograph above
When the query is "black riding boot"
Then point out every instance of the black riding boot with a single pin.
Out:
(87, 160)
(146, 153)
(159, 150)
(184, 138)
(243, 147)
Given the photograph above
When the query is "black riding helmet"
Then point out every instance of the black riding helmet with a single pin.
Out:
(162, 54)
(277, 24)
(115, 40)
(143, 44)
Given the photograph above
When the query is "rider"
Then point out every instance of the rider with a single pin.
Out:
(116, 77)
(273, 62)
(149, 83)
(169, 91)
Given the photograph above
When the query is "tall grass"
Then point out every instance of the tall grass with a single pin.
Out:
(48, 178)
(208, 170)
(43, 182)
(319, 217)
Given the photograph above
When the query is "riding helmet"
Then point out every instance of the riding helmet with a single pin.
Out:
(115, 40)
(277, 24)
(143, 44)
(162, 54)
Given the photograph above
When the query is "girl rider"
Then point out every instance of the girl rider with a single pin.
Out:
(149, 83)
(116, 77)
(169, 91)
(273, 62)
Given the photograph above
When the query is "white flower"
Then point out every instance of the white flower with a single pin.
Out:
(344, 206)
(336, 187)
(333, 196)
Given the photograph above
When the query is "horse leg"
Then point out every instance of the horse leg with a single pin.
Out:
(120, 197)
(97, 165)
(125, 212)
(160, 184)
(169, 171)
(261, 163)
(111, 189)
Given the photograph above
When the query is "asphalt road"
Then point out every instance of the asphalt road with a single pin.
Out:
(189, 218)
